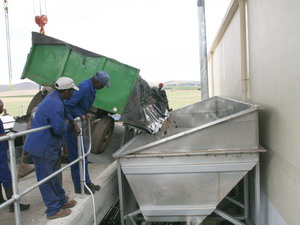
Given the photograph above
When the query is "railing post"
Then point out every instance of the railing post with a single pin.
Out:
(80, 155)
(13, 165)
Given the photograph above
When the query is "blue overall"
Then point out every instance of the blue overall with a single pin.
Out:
(77, 106)
(45, 147)
(5, 175)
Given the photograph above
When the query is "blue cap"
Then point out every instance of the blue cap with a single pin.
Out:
(103, 77)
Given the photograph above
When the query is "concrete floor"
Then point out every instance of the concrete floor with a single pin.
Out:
(102, 171)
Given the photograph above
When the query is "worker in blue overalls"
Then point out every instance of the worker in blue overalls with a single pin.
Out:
(78, 106)
(5, 175)
(45, 146)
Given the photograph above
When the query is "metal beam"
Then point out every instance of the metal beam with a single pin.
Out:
(203, 51)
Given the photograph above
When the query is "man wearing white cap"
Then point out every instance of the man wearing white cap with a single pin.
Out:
(78, 106)
(45, 146)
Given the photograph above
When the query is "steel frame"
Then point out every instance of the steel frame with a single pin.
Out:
(222, 215)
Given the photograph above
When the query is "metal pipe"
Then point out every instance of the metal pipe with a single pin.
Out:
(201, 152)
(132, 220)
(19, 134)
(228, 217)
(120, 186)
(246, 196)
(211, 56)
(8, 42)
(49, 177)
(90, 138)
(235, 202)
(257, 193)
(13, 165)
(18, 196)
(203, 50)
(80, 155)
(83, 165)
(130, 215)
(81, 159)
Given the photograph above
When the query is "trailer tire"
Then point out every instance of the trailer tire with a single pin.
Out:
(101, 134)
(37, 99)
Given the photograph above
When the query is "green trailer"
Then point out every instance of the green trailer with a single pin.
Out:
(50, 58)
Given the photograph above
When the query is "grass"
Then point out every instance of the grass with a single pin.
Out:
(181, 88)
(16, 106)
(17, 96)
(178, 97)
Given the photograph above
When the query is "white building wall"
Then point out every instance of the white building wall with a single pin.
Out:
(227, 63)
(274, 73)
(274, 65)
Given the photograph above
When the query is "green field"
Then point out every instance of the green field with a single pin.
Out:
(17, 108)
(178, 97)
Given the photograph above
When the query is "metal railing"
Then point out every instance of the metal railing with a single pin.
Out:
(10, 137)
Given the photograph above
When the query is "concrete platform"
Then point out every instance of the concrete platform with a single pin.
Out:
(103, 171)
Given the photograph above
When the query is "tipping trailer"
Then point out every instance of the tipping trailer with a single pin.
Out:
(50, 58)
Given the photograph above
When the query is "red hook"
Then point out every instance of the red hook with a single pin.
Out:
(41, 21)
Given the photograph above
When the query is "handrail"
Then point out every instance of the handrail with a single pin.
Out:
(10, 137)
(82, 167)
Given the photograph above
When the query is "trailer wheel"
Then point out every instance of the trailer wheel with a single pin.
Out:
(35, 101)
(101, 134)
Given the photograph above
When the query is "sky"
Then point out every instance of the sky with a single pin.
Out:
(160, 37)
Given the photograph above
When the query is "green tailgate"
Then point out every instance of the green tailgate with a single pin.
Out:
(50, 59)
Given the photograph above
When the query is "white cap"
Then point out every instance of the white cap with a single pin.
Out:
(64, 83)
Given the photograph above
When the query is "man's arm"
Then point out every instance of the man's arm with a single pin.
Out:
(57, 120)
(72, 109)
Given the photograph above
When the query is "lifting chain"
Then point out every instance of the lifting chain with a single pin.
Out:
(5, 3)
(41, 20)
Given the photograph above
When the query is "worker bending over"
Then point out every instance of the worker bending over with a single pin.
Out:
(78, 106)
(45, 147)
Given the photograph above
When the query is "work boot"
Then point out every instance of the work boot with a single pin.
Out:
(24, 170)
(60, 213)
(69, 204)
(9, 194)
(94, 186)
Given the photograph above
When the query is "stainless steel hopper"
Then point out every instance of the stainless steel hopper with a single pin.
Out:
(185, 170)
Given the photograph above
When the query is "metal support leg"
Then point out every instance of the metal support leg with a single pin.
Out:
(257, 193)
(132, 220)
(246, 198)
(131, 215)
(121, 194)
(13, 165)
(228, 217)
